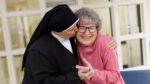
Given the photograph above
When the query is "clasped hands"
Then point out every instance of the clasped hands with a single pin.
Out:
(85, 72)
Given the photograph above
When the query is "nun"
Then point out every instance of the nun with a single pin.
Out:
(51, 55)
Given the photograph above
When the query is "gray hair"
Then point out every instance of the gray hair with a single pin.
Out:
(88, 14)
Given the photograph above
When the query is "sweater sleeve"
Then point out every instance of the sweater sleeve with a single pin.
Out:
(44, 71)
(110, 74)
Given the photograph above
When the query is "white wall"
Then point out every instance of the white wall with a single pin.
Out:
(148, 15)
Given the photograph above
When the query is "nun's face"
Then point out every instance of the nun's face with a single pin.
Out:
(70, 32)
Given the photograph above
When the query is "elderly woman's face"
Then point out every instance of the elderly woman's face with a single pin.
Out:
(86, 33)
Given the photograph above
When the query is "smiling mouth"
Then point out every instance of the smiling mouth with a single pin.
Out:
(86, 37)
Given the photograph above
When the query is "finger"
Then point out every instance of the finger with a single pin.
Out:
(90, 74)
(86, 63)
(112, 44)
(83, 69)
(87, 76)
(80, 67)
(81, 75)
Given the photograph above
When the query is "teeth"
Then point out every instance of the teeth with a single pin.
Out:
(85, 37)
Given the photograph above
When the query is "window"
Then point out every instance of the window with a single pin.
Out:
(18, 67)
(130, 19)
(94, 1)
(21, 29)
(2, 47)
(19, 5)
(104, 14)
(52, 3)
(132, 51)
(4, 77)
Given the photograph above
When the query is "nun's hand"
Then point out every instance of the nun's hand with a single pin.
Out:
(112, 44)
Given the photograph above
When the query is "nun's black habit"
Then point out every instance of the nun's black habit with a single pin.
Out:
(46, 60)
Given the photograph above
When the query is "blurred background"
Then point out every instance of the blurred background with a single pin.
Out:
(127, 21)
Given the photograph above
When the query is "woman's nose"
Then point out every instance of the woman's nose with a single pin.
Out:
(87, 31)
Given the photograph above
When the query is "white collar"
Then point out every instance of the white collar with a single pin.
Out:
(61, 39)
(65, 42)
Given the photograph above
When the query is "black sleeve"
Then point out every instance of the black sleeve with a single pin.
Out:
(44, 71)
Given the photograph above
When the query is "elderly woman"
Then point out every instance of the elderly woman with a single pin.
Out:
(94, 51)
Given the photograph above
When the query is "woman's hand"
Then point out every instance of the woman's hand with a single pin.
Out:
(85, 72)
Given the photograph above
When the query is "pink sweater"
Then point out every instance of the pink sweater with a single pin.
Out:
(104, 61)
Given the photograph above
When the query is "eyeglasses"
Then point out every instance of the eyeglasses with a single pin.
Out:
(84, 29)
